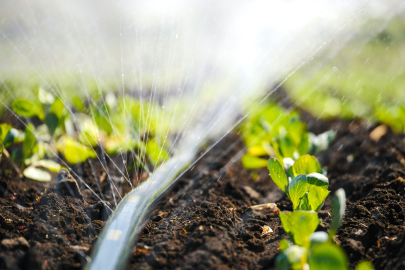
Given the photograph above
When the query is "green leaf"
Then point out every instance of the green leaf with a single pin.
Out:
(364, 265)
(37, 174)
(299, 225)
(304, 203)
(48, 164)
(79, 104)
(297, 188)
(318, 180)
(316, 197)
(292, 258)
(29, 140)
(27, 108)
(308, 192)
(338, 211)
(17, 156)
(327, 256)
(306, 164)
(58, 108)
(303, 146)
(74, 151)
(251, 163)
(5, 128)
(51, 121)
(287, 146)
(277, 173)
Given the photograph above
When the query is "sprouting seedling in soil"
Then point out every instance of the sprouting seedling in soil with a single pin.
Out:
(310, 249)
(274, 131)
(304, 184)
(307, 189)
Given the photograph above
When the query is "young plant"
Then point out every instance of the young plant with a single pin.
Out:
(307, 188)
(56, 132)
(316, 249)
(274, 131)
(303, 183)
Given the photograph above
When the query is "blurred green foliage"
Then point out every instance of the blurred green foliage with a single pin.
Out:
(362, 81)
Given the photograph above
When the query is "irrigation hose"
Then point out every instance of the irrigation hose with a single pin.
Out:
(123, 228)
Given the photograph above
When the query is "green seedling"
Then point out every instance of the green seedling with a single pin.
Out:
(310, 249)
(58, 134)
(304, 184)
(273, 131)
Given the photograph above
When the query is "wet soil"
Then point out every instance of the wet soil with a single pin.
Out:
(207, 221)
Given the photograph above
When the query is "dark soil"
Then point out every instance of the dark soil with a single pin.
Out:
(207, 221)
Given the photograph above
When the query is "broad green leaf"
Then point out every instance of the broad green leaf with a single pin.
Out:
(27, 108)
(48, 164)
(317, 190)
(292, 258)
(37, 174)
(29, 141)
(250, 162)
(306, 164)
(316, 197)
(327, 256)
(51, 121)
(297, 189)
(364, 265)
(338, 211)
(277, 173)
(318, 180)
(299, 225)
(74, 151)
